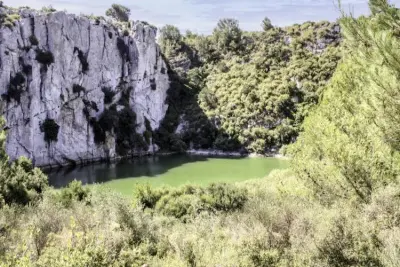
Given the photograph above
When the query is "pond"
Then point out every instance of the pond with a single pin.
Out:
(171, 170)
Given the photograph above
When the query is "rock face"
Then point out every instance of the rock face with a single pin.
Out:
(58, 67)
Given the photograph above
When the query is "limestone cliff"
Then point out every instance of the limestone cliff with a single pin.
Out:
(59, 73)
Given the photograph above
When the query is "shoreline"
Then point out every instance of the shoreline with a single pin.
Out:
(194, 152)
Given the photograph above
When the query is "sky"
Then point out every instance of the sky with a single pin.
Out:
(201, 16)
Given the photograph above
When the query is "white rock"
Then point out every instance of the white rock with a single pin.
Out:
(48, 94)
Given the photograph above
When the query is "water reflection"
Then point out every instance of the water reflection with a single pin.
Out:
(134, 168)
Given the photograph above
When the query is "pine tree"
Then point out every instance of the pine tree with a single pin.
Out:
(350, 145)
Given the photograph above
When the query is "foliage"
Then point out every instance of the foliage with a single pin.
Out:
(50, 129)
(227, 35)
(266, 24)
(127, 138)
(48, 9)
(16, 87)
(349, 146)
(278, 225)
(122, 123)
(170, 40)
(235, 90)
(9, 20)
(188, 201)
(20, 183)
(44, 57)
(73, 192)
(119, 12)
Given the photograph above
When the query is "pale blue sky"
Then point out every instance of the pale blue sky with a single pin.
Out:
(201, 16)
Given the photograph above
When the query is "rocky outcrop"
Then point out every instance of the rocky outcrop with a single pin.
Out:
(59, 73)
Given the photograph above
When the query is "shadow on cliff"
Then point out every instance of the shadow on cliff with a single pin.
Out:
(185, 125)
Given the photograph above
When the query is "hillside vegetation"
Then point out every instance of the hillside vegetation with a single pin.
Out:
(245, 90)
(337, 207)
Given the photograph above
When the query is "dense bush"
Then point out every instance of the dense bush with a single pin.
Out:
(188, 201)
(8, 20)
(127, 138)
(74, 192)
(20, 183)
(278, 225)
(50, 129)
(44, 57)
(119, 12)
(170, 40)
(16, 87)
(239, 90)
(349, 146)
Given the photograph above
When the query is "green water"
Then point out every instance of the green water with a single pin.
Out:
(168, 170)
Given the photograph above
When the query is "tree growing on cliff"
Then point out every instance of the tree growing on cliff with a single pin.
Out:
(119, 12)
(266, 24)
(170, 40)
(227, 35)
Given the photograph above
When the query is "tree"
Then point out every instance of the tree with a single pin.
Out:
(119, 12)
(266, 24)
(20, 183)
(350, 145)
(227, 35)
(170, 40)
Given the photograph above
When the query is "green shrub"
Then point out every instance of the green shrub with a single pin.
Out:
(20, 182)
(48, 9)
(74, 192)
(127, 138)
(44, 57)
(10, 19)
(146, 196)
(119, 12)
(345, 245)
(182, 207)
(15, 88)
(50, 129)
(189, 201)
(225, 197)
